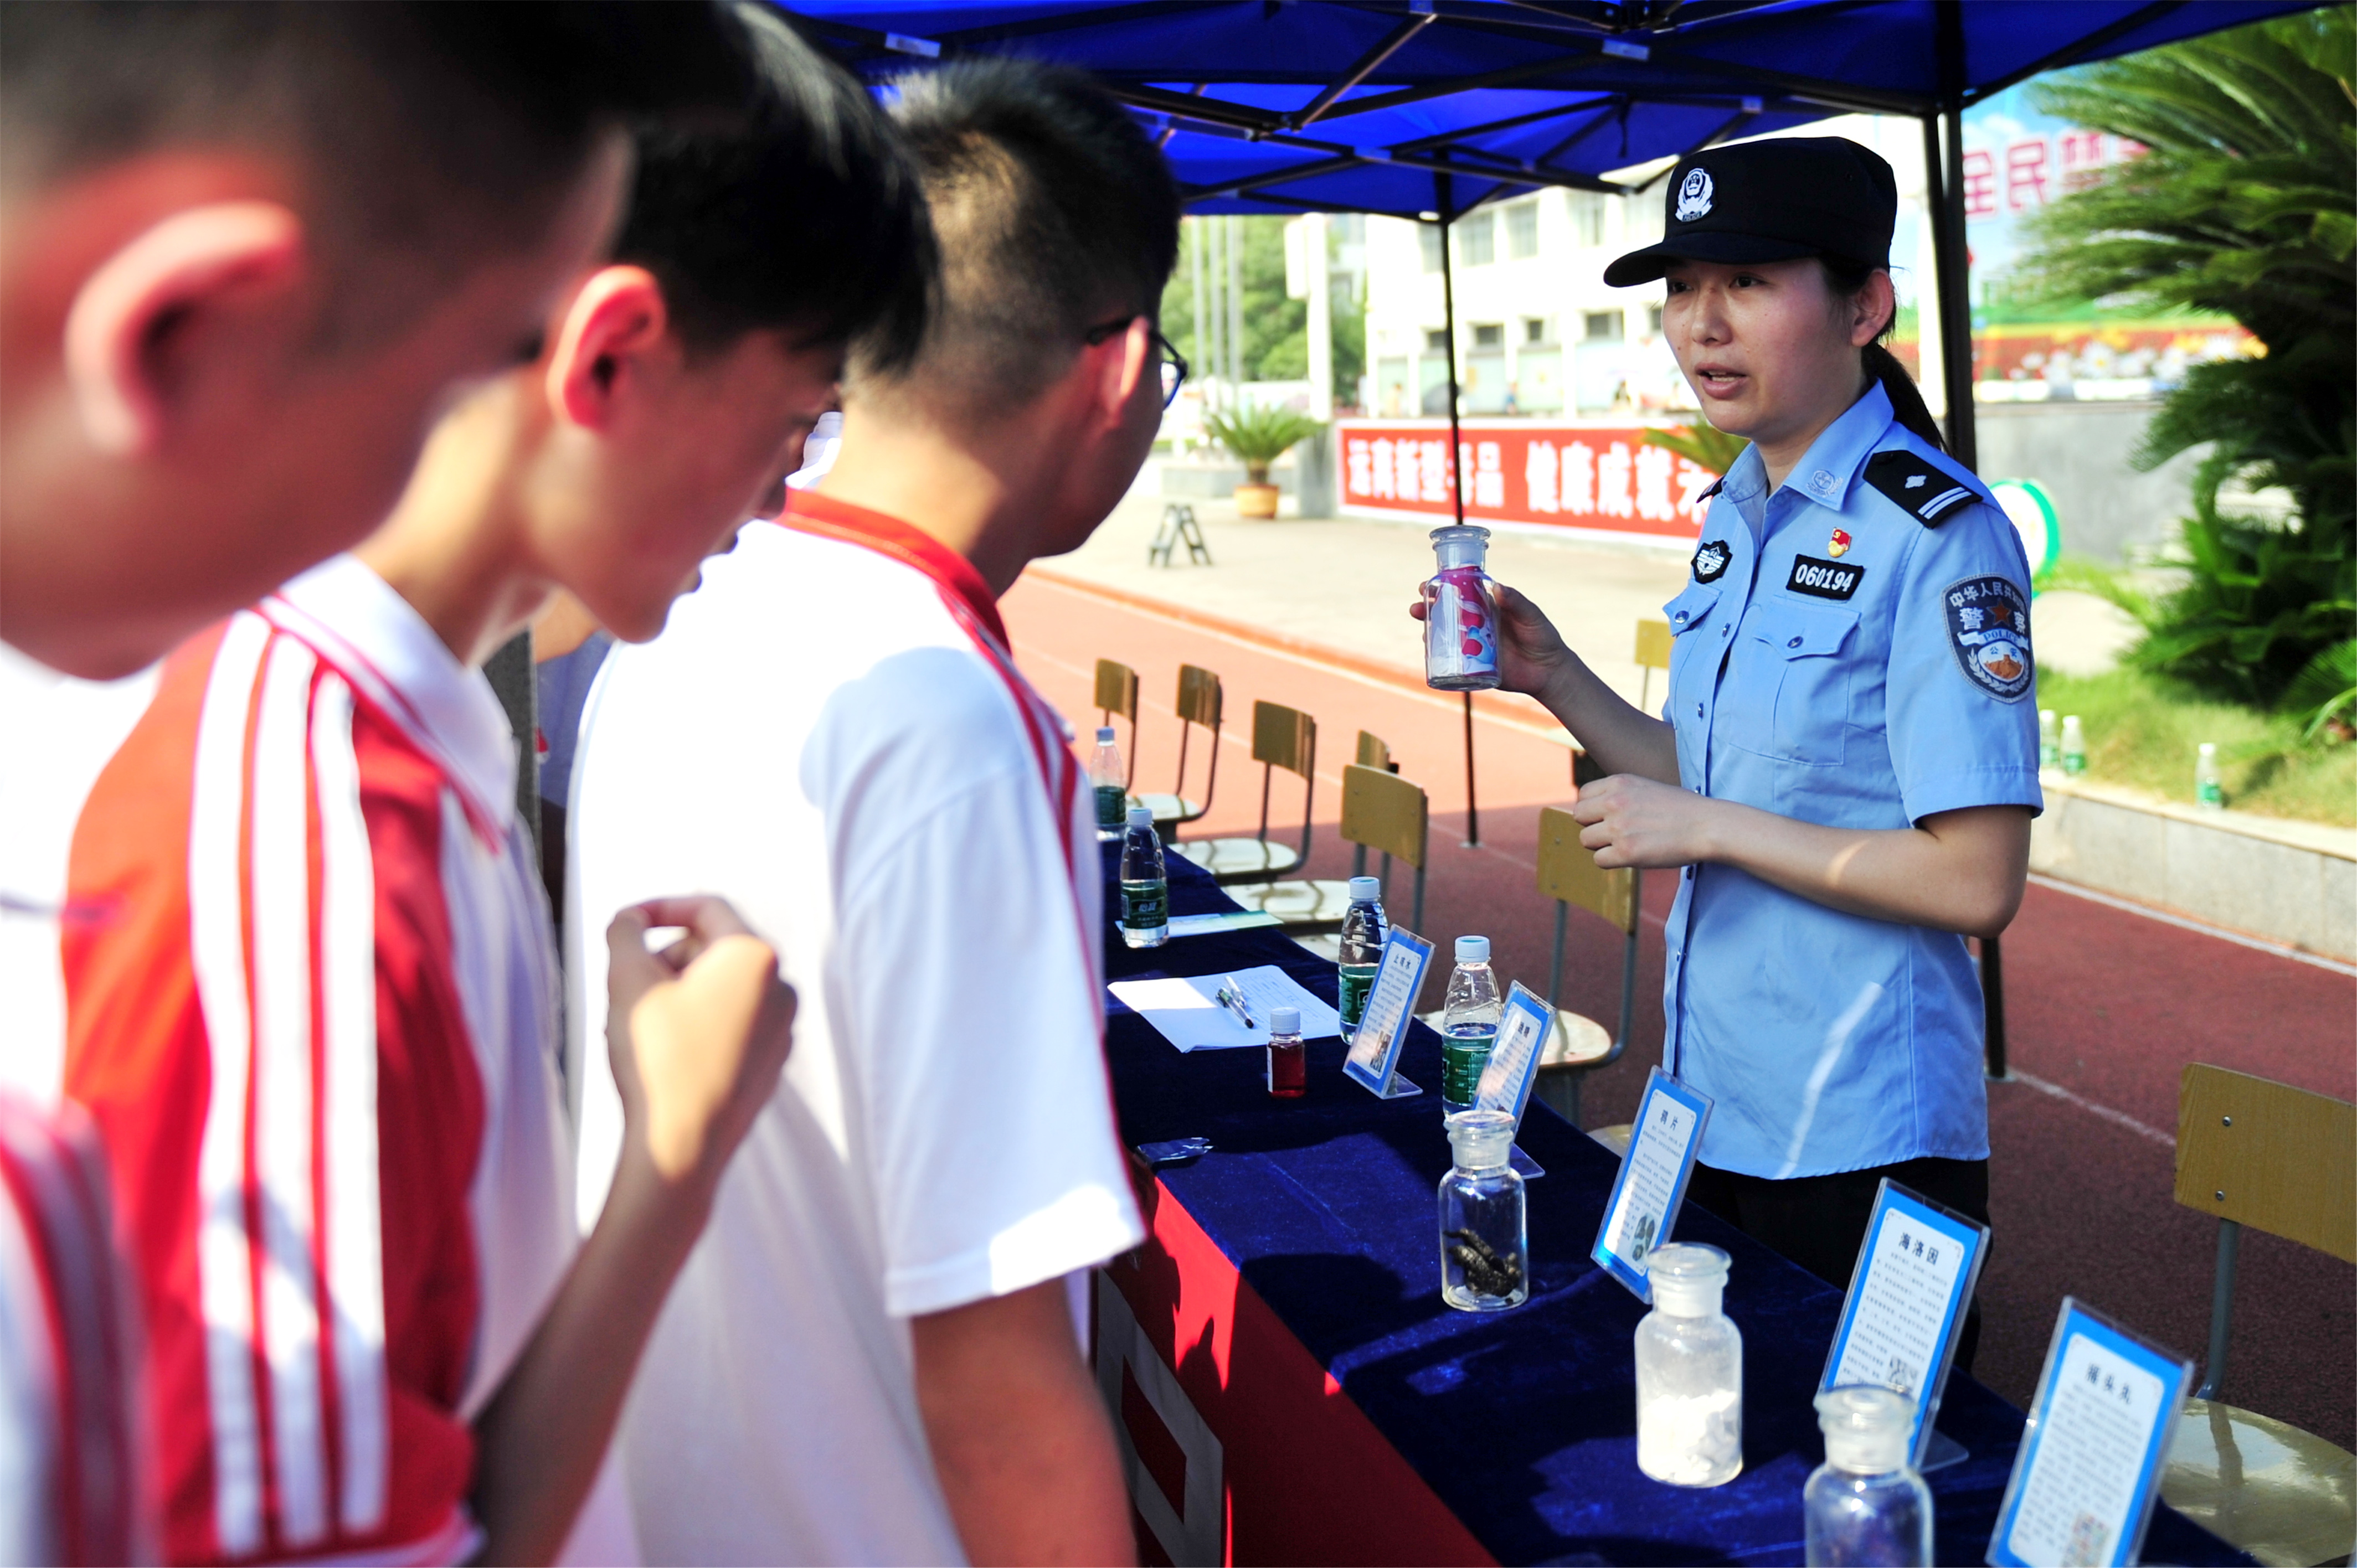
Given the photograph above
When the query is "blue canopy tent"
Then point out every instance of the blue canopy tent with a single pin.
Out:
(1427, 109)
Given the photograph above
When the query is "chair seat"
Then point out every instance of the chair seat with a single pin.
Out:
(1240, 860)
(1297, 906)
(1326, 945)
(1615, 1137)
(2290, 1502)
(1575, 1043)
(1171, 808)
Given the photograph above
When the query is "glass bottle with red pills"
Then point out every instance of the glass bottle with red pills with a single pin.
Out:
(1460, 614)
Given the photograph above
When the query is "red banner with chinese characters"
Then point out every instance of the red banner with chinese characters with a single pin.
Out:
(1577, 476)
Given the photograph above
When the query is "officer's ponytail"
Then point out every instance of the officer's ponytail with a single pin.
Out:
(1845, 280)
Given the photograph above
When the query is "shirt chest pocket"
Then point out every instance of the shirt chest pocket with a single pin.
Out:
(1799, 682)
(1696, 640)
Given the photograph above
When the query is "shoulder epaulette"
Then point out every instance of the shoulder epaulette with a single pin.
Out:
(1926, 491)
(1717, 485)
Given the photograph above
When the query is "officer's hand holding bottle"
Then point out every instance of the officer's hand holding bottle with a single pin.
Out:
(1531, 652)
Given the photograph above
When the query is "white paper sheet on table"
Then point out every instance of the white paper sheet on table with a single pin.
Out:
(1183, 1009)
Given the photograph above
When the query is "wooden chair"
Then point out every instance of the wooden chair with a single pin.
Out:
(1381, 811)
(1653, 653)
(2257, 1153)
(1199, 703)
(1568, 875)
(1282, 738)
(1117, 693)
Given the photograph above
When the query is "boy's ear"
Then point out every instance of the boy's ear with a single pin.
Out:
(121, 327)
(615, 318)
(1119, 362)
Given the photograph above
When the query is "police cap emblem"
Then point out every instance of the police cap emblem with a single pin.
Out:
(1694, 195)
(1989, 628)
(1710, 561)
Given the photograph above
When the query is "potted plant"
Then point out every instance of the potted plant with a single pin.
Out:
(1257, 437)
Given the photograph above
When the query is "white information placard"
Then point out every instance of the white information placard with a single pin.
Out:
(1513, 1064)
(1652, 1180)
(1907, 1295)
(2088, 1471)
(1374, 1061)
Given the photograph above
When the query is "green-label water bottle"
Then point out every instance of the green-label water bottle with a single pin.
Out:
(1144, 885)
(1364, 929)
(1107, 779)
(1469, 1027)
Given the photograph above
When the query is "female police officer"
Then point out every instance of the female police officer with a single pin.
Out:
(1849, 760)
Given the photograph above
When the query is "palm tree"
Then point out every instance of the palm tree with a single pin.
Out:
(2246, 204)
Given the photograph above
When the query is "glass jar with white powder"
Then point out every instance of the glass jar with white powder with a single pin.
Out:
(1689, 1372)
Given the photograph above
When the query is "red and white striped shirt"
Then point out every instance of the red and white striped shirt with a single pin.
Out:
(319, 1035)
(71, 1482)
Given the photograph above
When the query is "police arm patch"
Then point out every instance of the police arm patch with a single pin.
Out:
(1927, 492)
(1989, 628)
(1710, 561)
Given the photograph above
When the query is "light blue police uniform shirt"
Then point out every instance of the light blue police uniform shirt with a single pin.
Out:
(1868, 687)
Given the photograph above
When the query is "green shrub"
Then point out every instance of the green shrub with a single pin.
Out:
(1257, 437)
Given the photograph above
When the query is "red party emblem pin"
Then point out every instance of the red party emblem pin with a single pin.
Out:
(1840, 545)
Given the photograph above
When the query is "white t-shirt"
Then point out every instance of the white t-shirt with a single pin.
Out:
(830, 734)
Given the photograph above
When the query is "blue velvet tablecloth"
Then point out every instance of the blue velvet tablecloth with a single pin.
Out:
(1524, 1422)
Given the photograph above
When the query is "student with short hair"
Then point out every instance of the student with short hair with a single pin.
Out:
(249, 246)
(870, 1356)
(322, 1038)
(246, 246)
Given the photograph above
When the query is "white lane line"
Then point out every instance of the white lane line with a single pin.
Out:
(2120, 1118)
(2260, 944)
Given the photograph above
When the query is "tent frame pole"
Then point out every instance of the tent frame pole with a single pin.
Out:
(1445, 192)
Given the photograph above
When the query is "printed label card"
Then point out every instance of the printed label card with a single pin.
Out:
(1513, 1064)
(1374, 1061)
(1645, 1197)
(2088, 1473)
(1914, 1280)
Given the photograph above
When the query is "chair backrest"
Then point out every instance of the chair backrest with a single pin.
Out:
(1284, 738)
(1117, 690)
(2266, 1155)
(1198, 696)
(1568, 873)
(1384, 811)
(1654, 644)
(1374, 753)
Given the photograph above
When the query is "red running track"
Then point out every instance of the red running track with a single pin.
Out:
(2106, 1006)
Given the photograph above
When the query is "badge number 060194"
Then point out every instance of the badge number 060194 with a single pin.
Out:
(1989, 628)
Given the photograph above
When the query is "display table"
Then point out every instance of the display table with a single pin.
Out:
(1293, 1391)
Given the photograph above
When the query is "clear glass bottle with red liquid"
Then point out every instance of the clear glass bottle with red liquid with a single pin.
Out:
(1288, 1059)
(1460, 614)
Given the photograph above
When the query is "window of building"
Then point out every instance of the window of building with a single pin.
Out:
(1429, 233)
(1523, 230)
(1603, 327)
(1436, 342)
(1654, 320)
(1477, 240)
(1586, 219)
(1535, 329)
(1492, 336)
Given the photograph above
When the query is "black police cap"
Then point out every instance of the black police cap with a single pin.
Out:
(1776, 200)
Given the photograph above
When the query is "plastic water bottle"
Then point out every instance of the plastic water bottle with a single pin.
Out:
(2049, 739)
(1288, 1059)
(1460, 614)
(2074, 745)
(2209, 793)
(1866, 1506)
(1364, 929)
(1144, 886)
(1106, 777)
(1469, 1027)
